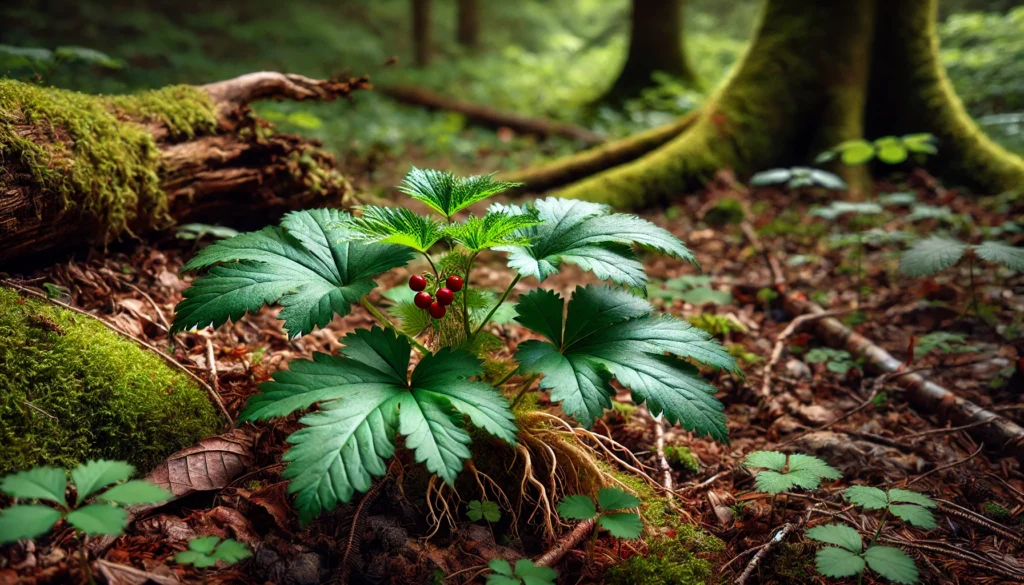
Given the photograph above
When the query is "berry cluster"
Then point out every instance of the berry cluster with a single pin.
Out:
(436, 305)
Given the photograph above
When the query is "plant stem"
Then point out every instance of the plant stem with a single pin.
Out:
(437, 275)
(504, 296)
(771, 516)
(84, 560)
(506, 377)
(522, 390)
(387, 323)
(974, 290)
(465, 299)
(874, 538)
(593, 544)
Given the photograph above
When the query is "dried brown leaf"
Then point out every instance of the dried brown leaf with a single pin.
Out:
(210, 464)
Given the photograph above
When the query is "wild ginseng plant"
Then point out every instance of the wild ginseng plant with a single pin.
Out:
(614, 515)
(780, 473)
(319, 263)
(849, 557)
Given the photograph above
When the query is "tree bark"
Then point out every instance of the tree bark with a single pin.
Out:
(468, 31)
(655, 45)
(421, 34)
(812, 74)
(205, 177)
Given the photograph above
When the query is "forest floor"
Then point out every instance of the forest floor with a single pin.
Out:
(856, 421)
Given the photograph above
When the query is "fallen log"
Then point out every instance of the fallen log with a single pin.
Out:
(488, 116)
(78, 169)
(999, 433)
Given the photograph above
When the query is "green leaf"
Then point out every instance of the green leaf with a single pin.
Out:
(308, 266)
(501, 566)
(396, 225)
(839, 535)
(856, 152)
(773, 482)
(231, 551)
(869, 498)
(42, 483)
(770, 177)
(803, 471)
(498, 228)
(608, 333)
(493, 579)
(447, 194)
(204, 544)
(773, 460)
(898, 199)
(907, 496)
(577, 507)
(931, 255)
(135, 492)
(487, 510)
(839, 208)
(364, 395)
(923, 143)
(412, 319)
(622, 525)
(837, 562)
(914, 515)
(891, 150)
(92, 476)
(531, 574)
(1005, 254)
(611, 499)
(807, 466)
(96, 519)
(828, 180)
(591, 237)
(196, 559)
(26, 521)
(892, 563)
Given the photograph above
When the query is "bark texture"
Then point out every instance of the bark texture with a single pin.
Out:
(229, 160)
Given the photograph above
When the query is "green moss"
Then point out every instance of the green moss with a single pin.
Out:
(794, 562)
(654, 509)
(670, 561)
(681, 458)
(93, 152)
(996, 512)
(71, 389)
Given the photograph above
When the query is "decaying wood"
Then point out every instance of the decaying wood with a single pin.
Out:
(207, 177)
(925, 396)
(488, 116)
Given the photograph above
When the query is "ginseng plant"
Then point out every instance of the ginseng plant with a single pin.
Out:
(318, 263)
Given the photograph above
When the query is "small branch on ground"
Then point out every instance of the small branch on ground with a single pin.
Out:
(566, 544)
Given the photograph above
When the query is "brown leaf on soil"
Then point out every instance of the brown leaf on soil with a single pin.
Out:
(116, 574)
(272, 498)
(210, 464)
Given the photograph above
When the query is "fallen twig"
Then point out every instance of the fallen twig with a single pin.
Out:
(776, 539)
(780, 344)
(566, 544)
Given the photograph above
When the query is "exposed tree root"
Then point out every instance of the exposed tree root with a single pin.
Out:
(566, 544)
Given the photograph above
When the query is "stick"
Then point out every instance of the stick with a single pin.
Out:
(779, 537)
(780, 344)
(566, 544)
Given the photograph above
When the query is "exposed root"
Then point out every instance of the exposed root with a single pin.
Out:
(482, 480)
(438, 507)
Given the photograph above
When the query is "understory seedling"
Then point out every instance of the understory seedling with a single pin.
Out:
(887, 149)
(838, 361)
(524, 573)
(942, 342)
(206, 551)
(849, 557)
(609, 513)
(104, 516)
(694, 289)
(781, 472)
(319, 263)
(797, 177)
(486, 510)
(858, 210)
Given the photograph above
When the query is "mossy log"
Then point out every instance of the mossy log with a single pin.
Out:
(71, 390)
(80, 169)
(816, 73)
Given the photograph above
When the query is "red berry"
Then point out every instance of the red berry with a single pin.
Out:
(437, 311)
(445, 296)
(423, 300)
(454, 282)
(417, 282)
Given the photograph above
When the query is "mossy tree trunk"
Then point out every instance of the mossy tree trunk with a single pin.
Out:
(468, 30)
(810, 78)
(82, 169)
(655, 45)
(423, 51)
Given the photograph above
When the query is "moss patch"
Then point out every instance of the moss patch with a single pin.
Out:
(680, 457)
(670, 561)
(110, 398)
(93, 152)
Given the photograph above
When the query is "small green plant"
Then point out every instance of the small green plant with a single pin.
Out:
(206, 551)
(781, 472)
(798, 177)
(891, 150)
(609, 513)
(104, 516)
(524, 573)
(695, 290)
(942, 342)
(197, 231)
(859, 210)
(486, 510)
(849, 557)
(717, 325)
(838, 361)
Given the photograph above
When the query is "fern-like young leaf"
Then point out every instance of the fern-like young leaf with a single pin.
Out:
(396, 225)
(447, 194)
(782, 472)
(496, 228)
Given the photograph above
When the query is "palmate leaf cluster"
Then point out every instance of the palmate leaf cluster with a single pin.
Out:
(105, 515)
(206, 551)
(887, 149)
(609, 511)
(316, 264)
(525, 572)
(848, 557)
(936, 253)
(781, 473)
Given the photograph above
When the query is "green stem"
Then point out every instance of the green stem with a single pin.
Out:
(387, 323)
(437, 275)
(506, 377)
(974, 290)
(504, 296)
(881, 524)
(465, 299)
(593, 544)
(522, 390)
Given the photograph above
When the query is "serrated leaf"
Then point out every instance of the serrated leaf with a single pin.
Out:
(447, 194)
(839, 535)
(1001, 253)
(38, 483)
(607, 333)
(203, 544)
(308, 265)
(773, 482)
(591, 237)
(931, 255)
(914, 515)
(807, 464)
(93, 476)
(892, 563)
(396, 225)
(869, 498)
(770, 177)
(231, 551)
(496, 229)
(135, 492)
(907, 496)
(26, 521)
(531, 574)
(772, 460)
(96, 519)
(626, 525)
(611, 499)
(501, 566)
(196, 559)
(577, 507)
(838, 562)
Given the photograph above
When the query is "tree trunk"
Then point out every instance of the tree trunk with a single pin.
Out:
(811, 74)
(655, 45)
(128, 164)
(422, 49)
(468, 31)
